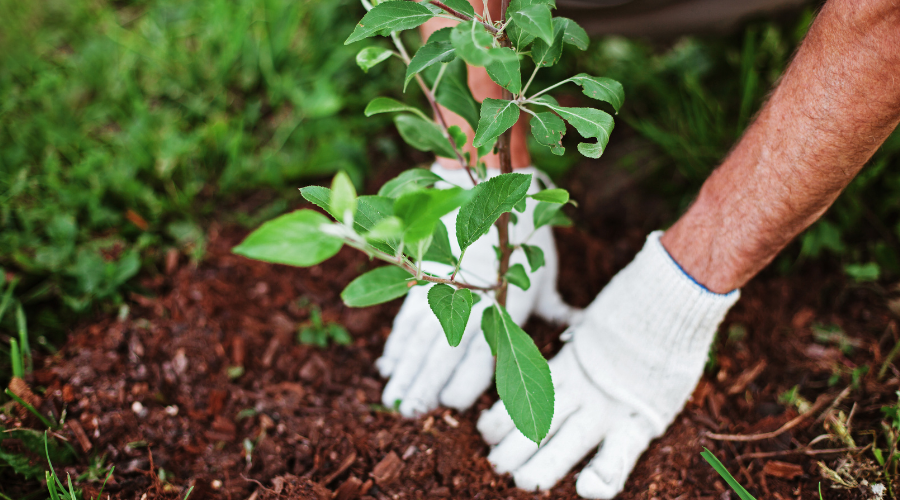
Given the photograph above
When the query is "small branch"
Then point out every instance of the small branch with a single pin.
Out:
(429, 96)
(769, 435)
(463, 17)
(567, 80)
(411, 269)
(533, 74)
(803, 451)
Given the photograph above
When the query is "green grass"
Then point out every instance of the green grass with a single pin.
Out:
(123, 125)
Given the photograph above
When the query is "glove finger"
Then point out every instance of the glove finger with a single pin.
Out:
(577, 436)
(472, 376)
(405, 325)
(515, 449)
(605, 476)
(494, 423)
(439, 364)
(408, 364)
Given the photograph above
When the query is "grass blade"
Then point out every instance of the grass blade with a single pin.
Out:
(717, 465)
(51, 487)
(186, 495)
(30, 408)
(24, 345)
(16, 359)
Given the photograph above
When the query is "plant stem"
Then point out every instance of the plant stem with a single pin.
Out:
(413, 270)
(525, 88)
(567, 80)
(505, 168)
(429, 95)
(463, 17)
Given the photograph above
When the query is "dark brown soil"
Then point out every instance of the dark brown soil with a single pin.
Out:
(153, 391)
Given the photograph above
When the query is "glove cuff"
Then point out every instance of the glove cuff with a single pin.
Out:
(650, 332)
(460, 177)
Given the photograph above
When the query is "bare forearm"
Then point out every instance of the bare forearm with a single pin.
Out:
(837, 102)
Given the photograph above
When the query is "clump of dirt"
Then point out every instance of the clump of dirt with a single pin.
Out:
(204, 384)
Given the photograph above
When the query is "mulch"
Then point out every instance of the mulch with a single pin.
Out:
(205, 380)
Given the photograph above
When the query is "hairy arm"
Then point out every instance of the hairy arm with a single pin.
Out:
(836, 104)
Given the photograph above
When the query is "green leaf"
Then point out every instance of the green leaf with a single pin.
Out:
(440, 250)
(504, 69)
(589, 122)
(518, 37)
(421, 210)
(521, 206)
(393, 16)
(343, 196)
(535, 256)
(601, 88)
(523, 375)
(379, 285)
(369, 211)
(441, 35)
(452, 308)
(742, 493)
(549, 129)
(294, 239)
(556, 195)
(461, 6)
(459, 137)
(423, 135)
(546, 54)
(516, 275)
(573, 34)
(536, 20)
(454, 94)
(386, 229)
(497, 116)
(388, 105)
(491, 199)
(472, 43)
(544, 213)
(369, 57)
(431, 53)
(410, 180)
(863, 272)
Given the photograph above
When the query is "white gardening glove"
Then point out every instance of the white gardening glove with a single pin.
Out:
(424, 370)
(631, 365)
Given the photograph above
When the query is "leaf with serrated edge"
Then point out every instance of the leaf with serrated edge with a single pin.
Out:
(504, 69)
(544, 213)
(589, 122)
(548, 129)
(431, 53)
(547, 54)
(601, 88)
(490, 200)
(535, 256)
(370, 57)
(536, 20)
(295, 239)
(497, 116)
(461, 6)
(377, 286)
(452, 308)
(555, 195)
(410, 180)
(472, 43)
(573, 33)
(522, 374)
(423, 135)
(394, 16)
(517, 276)
(421, 210)
(440, 250)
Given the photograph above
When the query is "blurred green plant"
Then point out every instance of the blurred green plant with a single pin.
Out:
(319, 332)
(121, 122)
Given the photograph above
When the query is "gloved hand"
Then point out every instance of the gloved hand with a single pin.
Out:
(424, 370)
(631, 365)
